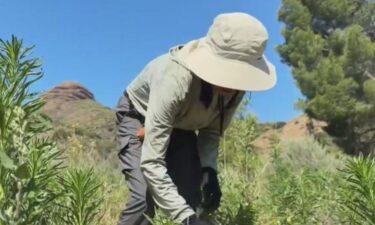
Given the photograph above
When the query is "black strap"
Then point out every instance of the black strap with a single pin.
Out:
(222, 108)
(206, 94)
(231, 101)
(222, 112)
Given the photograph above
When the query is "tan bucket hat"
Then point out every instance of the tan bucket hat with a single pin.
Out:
(231, 54)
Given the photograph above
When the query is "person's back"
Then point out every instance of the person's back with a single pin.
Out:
(164, 67)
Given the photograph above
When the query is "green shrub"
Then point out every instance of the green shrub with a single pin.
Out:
(301, 186)
(237, 204)
(298, 198)
(309, 153)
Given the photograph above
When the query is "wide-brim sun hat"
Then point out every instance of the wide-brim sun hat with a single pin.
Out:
(232, 54)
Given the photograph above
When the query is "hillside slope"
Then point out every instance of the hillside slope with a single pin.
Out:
(73, 109)
(84, 131)
(294, 130)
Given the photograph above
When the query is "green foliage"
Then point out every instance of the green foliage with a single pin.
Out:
(298, 185)
(238, 156)
(29, 162)
(369, 89)
(90, 122)
(237, 145)
(160, 219)
(236, 206)
(359, 190)
(83, 150)
(329, 48)
(81, 201)
(307, 153)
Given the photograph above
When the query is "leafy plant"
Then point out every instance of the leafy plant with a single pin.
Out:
(236, 206)
(81, 202)
(359, 189)
(160, 219)
(29, 161)
(237, 148)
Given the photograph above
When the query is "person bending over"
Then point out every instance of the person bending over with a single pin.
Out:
(171, 117)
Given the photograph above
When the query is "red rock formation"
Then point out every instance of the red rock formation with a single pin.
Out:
(68, 91)
(60, 100)
(298, 128)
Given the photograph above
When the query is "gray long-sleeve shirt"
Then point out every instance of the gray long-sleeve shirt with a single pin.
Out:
(168, 95)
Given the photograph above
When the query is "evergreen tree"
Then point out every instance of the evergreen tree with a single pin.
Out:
(330, 46)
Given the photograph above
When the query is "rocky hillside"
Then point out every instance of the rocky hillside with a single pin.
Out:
(61, 96)
(84, 131)
(73, 110)
(298, 128)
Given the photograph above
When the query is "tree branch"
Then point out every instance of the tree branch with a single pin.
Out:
(367, 131)
(369, 75)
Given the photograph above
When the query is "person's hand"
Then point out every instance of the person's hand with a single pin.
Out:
(141, 133)
(193, 220)
(211, 193)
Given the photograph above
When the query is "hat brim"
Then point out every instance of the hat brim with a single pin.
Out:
(259, 75)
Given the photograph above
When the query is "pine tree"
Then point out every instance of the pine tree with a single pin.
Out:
(330, 47)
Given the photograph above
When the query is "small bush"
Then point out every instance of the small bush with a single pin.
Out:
(308, 153)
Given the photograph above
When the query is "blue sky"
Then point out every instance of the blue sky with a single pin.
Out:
(104, 44)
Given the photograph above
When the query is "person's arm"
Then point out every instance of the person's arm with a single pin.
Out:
(208, 146)
(166, 96)
(209, 137)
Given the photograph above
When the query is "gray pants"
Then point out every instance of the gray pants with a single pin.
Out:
(183, 166)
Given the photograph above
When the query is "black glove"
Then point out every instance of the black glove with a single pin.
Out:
(193, 220)
(211, 193)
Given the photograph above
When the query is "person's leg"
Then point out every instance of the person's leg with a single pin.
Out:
(183, 165)
(139, 202)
